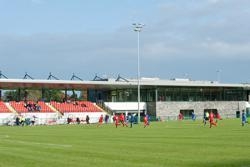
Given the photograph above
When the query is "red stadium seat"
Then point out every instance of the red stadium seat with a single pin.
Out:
(3, 108)
(20, 106)
(80, 106)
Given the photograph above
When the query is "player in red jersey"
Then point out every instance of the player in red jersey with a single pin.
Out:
(211, 119)
(218, 117)
(180, 116)
(145, 119)
(100, 121)
(122, 120)
(116, 120)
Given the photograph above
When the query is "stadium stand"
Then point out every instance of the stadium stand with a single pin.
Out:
(77, 106)
(30, 106)
(44, 107)
(18, 106)
(48, 113)
(3, 108)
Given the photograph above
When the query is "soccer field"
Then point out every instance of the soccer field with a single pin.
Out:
(161, 144)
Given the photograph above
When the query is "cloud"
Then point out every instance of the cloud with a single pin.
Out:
(160, 49)
(217, 28)
(227, 50)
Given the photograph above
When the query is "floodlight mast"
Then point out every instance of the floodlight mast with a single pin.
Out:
(138, 28)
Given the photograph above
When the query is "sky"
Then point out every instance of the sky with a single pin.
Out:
(195, 39)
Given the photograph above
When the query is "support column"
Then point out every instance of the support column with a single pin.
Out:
(18, 94)
(43, 94)
(85, 94)
(156, 95)
(65, 94)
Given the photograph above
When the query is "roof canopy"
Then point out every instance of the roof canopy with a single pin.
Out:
(107, 84)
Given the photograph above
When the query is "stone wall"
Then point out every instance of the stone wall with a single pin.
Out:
(170, 110)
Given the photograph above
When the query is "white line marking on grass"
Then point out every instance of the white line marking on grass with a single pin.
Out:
(38, 143)
(12, 148)
(44, 144)
(4, 136)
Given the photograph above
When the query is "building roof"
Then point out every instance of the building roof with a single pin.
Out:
(110, 84)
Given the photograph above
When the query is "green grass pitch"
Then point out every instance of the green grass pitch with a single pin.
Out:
(162, 144)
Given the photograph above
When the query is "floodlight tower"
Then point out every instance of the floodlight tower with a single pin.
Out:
(138, 28)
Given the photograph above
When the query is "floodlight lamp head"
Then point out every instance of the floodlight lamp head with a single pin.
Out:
(138, 24)
(137, 30)
(141, 25)
(138, 27)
